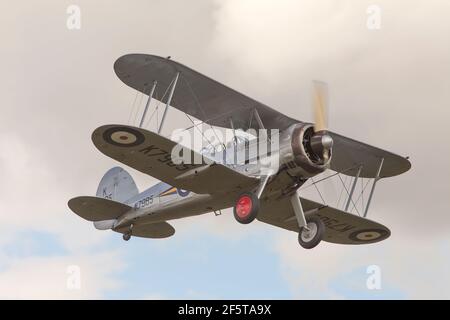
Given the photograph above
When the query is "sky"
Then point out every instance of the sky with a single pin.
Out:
(389, 81)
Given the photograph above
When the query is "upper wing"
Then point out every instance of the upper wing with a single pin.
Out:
(349, 153)
(150, 153)
(196, 94)
(215, 103)
(340, 227)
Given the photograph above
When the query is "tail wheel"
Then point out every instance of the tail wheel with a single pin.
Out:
(246, 208)
(126, 236)
(311, 236)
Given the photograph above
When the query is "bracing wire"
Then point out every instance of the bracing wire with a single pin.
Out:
(348, 186)
(147, 123)
(133, 107)
(361, 195)
(201, 132)
(201, 109)
(348, 193)
(341, 193)
(320, 194)
(138, 108)
(326, 178)
(158, 105)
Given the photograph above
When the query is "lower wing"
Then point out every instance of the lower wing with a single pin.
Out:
(150, 153)
(341, 227)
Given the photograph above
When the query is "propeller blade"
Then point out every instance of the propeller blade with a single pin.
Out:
(320, 105)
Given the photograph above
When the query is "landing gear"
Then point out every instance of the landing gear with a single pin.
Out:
(311, 228)
(246, 208)
(127, 236)
(311, 235)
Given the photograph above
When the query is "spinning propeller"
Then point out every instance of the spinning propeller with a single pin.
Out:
(321, 142)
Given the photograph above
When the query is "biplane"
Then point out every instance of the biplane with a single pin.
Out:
(304, 150)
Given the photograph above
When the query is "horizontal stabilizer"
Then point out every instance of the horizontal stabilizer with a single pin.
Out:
(152, 230)
(97, 209)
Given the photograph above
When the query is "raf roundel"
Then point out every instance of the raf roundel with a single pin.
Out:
(368, 235)
(123, 137)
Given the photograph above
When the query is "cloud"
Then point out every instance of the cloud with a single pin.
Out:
(409, 269)
(53, 277)
(32, 198)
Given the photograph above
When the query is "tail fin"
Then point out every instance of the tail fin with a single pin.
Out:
(117, 185)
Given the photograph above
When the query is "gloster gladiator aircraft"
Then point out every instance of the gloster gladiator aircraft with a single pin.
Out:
(304, 150)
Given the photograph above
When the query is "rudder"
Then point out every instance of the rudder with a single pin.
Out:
(118, 185)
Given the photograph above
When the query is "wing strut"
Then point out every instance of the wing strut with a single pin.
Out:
(298, 209)
(377, 177)
(150, 96)
(260, 123)
(350, 196)
(168, 102)
(235, 141)
(262, 185)
(258, 119)
(234, 131)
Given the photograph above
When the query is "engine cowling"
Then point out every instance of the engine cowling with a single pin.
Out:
(306, 153)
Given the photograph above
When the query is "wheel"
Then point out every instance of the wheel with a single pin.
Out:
(246, 208)
(126, 236)
(311, 237)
